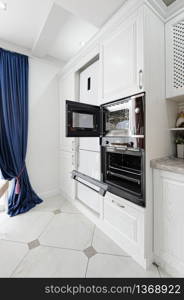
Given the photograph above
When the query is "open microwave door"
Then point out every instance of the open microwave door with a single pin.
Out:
(82, 120)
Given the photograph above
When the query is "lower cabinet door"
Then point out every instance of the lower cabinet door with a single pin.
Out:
(169, 220)
(89, 164)
(67, 184)
(126, 219)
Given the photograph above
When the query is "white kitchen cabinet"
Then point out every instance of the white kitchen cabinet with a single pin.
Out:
(174, 56)
(89, 93)
(128, 220)
(67, 92)
(169, 221)
(67, 184)
(89, 164)
(122, 59)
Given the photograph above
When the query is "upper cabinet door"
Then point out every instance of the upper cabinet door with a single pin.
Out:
(175, 57)
(89, 84)
(122, 60)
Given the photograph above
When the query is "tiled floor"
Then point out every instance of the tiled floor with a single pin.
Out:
(56, 240)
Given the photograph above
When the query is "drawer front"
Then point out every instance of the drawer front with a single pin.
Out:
(127, 220)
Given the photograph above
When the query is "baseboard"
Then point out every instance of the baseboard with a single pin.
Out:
(48, 194)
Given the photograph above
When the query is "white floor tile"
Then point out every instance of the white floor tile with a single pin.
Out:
(25, 227)
(105, 266)
(103, 244)
(68, 207)
(163, 273)
(52, 262)
(11, 254)
(73, 231)
(57, 202)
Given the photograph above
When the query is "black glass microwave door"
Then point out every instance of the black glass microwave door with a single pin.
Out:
(82, 120)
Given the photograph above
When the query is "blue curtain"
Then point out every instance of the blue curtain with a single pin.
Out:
(14, 73)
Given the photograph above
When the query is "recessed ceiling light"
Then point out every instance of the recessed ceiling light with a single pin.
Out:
(3, 5)
(82, 43)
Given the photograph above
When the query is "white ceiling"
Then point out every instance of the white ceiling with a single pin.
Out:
(54, 28)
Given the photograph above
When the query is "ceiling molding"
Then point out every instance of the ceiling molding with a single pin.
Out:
(174, 9)
(15, 48)
(50, 30)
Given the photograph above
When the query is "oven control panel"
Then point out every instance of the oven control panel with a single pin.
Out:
(123, 144)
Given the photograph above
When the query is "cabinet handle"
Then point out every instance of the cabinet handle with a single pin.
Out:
(140, 79)
(122, 206)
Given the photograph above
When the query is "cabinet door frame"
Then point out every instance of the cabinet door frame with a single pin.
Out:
(171, 91)
(136, 20)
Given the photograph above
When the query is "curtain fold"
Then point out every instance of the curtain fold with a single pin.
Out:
(14, 77)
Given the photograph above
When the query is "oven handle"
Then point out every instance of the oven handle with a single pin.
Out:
(124, 177)
(102, 186)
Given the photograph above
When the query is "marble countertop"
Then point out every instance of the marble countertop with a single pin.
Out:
(171, 164)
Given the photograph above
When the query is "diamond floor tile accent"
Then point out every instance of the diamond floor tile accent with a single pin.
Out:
(90, 252)
(33, 244)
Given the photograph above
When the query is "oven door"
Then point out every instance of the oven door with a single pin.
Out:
(82, 120)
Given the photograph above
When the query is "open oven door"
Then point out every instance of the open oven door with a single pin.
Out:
(93, 184)
(83, 120)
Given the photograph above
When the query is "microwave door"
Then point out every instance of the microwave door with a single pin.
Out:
(83, 120)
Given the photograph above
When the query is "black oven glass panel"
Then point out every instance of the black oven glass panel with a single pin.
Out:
(82, 120)
(125, 171)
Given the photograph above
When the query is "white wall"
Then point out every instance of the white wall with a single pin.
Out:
(43, 138)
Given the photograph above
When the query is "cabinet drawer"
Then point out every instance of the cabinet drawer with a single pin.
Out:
(127, 220)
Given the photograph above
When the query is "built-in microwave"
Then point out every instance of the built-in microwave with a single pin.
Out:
(124, 117)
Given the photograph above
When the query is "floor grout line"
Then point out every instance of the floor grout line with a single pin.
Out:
(11, 276)
(91, 246)
(159, 272)
(45, 227)
(118, 255)
(93, 235)
(13, 241)
(86, 268)
(61, 248)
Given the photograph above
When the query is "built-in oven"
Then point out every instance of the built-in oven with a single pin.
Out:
(120, 126)
(122, 163)
(124, 117)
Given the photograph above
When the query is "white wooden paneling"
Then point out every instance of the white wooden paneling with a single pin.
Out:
(128, 220)
(89, 164)
(174, 57)
(67, 164)
(168, 216)
(122, 62)
(90, 96)
(67, 92)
